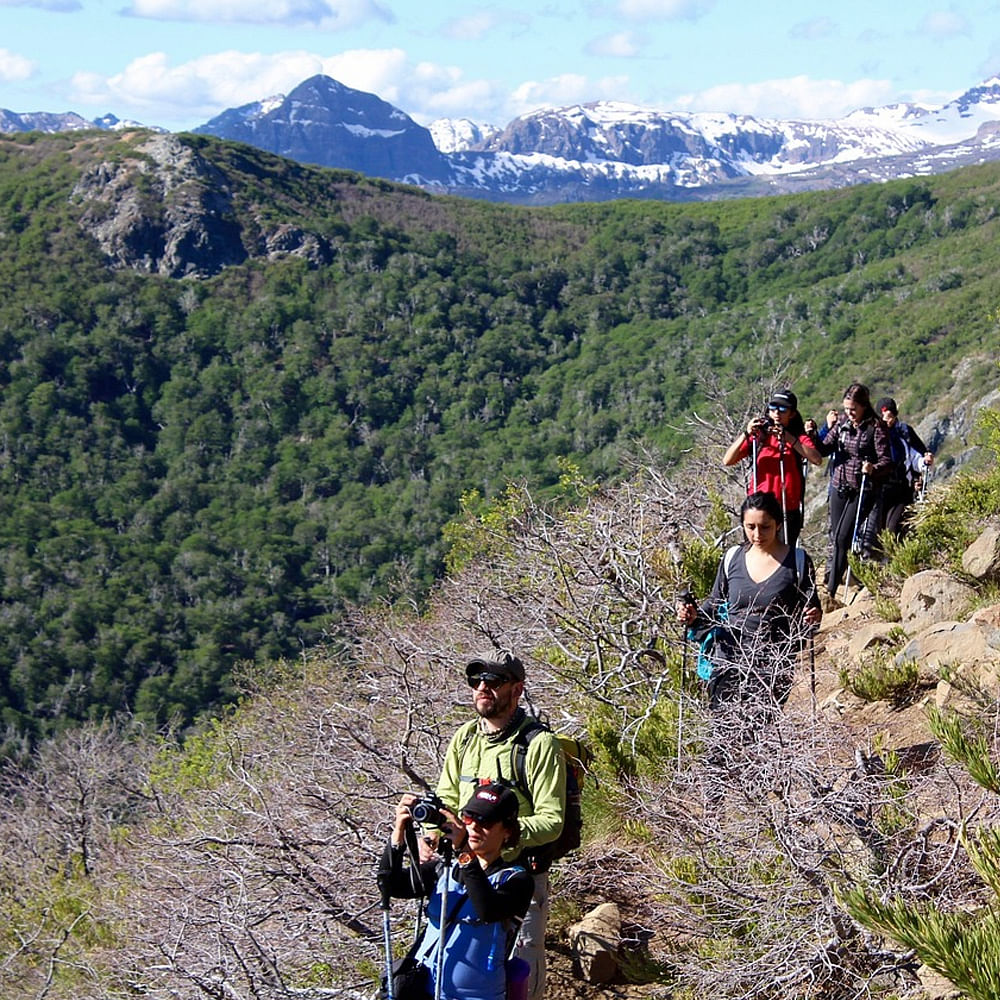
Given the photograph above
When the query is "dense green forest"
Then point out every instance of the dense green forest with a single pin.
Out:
(206, 469)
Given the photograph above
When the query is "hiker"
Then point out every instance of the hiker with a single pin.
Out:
(484, 750)
(819, 433)
(775, 445)
(762, 605)
(911, 458)
(484, 897)
(860, 442)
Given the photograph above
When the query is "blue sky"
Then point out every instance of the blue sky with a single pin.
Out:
(177, 63)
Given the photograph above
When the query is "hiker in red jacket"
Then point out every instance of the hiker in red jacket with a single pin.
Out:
(776, 446)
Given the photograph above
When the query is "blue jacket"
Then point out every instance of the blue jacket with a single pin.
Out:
(475, 950)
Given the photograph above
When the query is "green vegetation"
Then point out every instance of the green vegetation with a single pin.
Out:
(237, 858)
(881, 679)
(963, 946)
(201, 472)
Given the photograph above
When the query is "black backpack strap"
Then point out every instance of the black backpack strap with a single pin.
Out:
(519, 754)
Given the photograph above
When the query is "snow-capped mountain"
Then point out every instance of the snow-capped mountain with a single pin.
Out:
(44, 121)
(592, 152)
(323, 122)
(608, 149)
(611, 150)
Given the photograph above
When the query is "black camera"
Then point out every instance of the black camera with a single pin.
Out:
(427, 811)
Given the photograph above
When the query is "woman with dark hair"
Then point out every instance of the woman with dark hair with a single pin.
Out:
(776, 445)
(486, 897)
(762, 605)
(860, 442)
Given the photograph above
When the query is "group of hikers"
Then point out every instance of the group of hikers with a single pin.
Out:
(480, 847)
(877, 465)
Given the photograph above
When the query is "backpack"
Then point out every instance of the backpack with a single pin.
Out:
(578, 757)
(705, 666)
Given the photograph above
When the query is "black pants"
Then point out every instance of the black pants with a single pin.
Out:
(897, 498)
(843, 517)
(793, 519)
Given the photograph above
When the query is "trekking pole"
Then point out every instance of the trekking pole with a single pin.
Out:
(383, 887)
(753, 465)
(444, 847)
(854, 535)
(812, 673)
(680, 694)
(802, 501)
(781, 466)
(687, 599)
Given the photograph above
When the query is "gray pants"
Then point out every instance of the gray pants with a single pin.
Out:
(531, 940)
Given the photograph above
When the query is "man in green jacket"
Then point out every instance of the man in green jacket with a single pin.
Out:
(484, 750)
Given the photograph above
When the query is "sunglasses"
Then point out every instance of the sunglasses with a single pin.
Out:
(491, 682)
(468, 819)
(780, 409)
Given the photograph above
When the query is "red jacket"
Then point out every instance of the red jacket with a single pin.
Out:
(770, 460)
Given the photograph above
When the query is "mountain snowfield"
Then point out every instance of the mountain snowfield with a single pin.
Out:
(893, 130)
(603, 150)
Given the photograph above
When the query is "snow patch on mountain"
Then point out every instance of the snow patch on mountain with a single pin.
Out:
(455, 135)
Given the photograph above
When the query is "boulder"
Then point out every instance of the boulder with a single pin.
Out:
(933, 596)
(971, 648)
(594, 941)
(982, 558)
(869, 635)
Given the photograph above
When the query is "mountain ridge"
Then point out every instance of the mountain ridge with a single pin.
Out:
(600, 150)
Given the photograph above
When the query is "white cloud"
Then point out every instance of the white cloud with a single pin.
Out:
(945, 24)
(150, 89)
(560, 91)
(664, 10)
(794, 98)
(14, 67)
(331, 15)
(188, 94)
(621, 44)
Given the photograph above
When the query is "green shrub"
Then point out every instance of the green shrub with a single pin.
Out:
(882, 680)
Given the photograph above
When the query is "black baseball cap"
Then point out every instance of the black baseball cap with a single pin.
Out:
(492, 803)
(784, 397)
(504, 667)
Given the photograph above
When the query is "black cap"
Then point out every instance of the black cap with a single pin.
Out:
(492, 803)
(886, 403)
(784, 397)
(501, 667)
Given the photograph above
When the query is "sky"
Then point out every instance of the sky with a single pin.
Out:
(178, 63)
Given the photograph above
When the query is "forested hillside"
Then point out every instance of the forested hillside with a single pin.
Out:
(237, 395)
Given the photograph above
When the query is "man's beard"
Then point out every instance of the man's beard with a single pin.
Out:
(498, 707)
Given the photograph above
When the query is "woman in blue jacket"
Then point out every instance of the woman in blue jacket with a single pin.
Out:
(486, 897)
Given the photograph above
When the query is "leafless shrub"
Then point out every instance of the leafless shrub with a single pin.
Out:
(241, 863)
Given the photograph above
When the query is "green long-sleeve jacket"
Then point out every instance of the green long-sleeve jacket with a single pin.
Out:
(474, 756)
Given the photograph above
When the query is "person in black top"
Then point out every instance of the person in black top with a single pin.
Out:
(861, 443)
(911, 459)
(762, 605)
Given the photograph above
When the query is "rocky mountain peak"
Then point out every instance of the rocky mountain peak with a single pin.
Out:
(323, 122)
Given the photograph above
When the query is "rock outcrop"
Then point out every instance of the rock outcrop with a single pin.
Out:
(166, 210)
